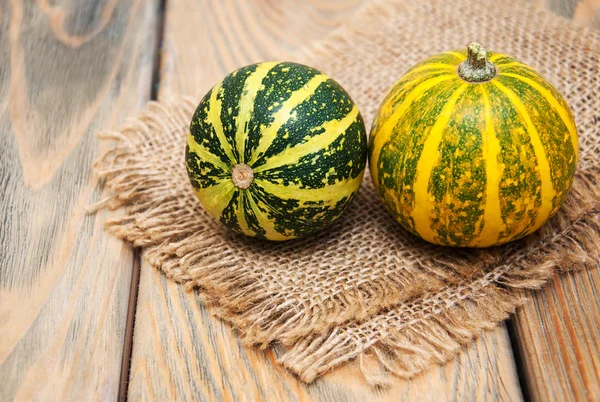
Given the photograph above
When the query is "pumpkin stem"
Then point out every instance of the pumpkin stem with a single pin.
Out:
(242, 176)
(477, 68)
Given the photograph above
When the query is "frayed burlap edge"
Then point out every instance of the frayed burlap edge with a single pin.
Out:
(403, 340)
(437, 326)
(157, 223)
(448, 319)
(440, 324)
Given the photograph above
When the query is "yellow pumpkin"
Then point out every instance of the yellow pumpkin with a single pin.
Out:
(473, 149)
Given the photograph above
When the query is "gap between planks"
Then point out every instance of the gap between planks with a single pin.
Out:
(131, 309)
(137, 252)
(517, 355)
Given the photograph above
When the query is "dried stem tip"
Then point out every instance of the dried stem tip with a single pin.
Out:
(477, 68)
(242, 175)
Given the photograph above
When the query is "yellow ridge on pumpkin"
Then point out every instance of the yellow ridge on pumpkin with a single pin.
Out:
(415, 76)
(215, 198)
(332, 130)
(205, 155)
(384, 132)
(429, 158)
(428, 67)
(246, 104)
(214, 117)
(284, 114)
(497, 56)
(265, 223)
(547, 189)
(515, 64)
(329, 194)
(492, 216)
(460, 56)
(241, 215)
(562, 111)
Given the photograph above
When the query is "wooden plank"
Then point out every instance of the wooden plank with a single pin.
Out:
(583, 12)
(587, 12)
(180, 351)
(67, 69)
(205, 39)
(558, 335)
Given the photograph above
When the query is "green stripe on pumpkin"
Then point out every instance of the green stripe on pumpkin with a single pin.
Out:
(245, 102)
(202, 123)
(393, 114)
(343, 158)
(285, 86)
(430, 155)
(232, 91)
(547, 192)
(557, 140)
(458, 178)
(397, 168)
(520, 184)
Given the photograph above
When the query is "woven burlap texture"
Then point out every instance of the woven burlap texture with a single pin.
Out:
(365, 286)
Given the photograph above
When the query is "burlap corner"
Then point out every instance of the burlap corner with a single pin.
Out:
(365, 285)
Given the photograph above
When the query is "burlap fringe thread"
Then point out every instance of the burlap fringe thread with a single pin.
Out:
(440, 322)
(159, 223)
(447, 320)
(451, 318)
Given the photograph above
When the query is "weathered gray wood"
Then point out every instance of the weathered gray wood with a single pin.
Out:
(67, 69)
(180, 352)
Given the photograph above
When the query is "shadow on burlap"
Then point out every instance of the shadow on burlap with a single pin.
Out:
(365, 286)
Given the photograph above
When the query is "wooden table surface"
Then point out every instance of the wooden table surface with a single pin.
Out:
(82, 315)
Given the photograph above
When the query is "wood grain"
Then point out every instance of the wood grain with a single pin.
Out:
(180, 352)
(67, 68)
(583, 12)
(226, 35)
(558, 334)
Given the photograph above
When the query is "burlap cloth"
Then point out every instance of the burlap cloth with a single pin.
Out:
(365, 285)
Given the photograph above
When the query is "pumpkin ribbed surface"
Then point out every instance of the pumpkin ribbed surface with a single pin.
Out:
(472, 163)
(276, 150)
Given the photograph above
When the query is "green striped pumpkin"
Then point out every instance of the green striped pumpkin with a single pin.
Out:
(472, 149)
(276, 150)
